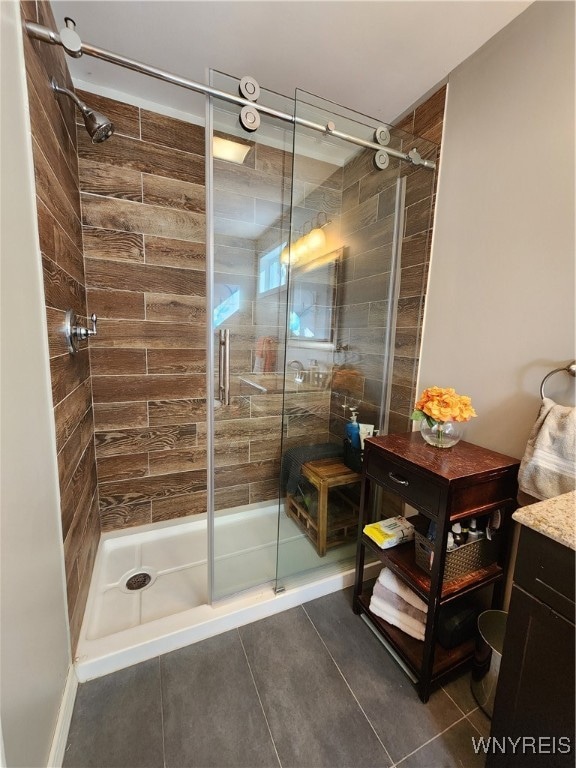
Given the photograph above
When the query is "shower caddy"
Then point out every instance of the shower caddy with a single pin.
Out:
(444, 486)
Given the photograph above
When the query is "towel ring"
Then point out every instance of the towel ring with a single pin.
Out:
(570, 368)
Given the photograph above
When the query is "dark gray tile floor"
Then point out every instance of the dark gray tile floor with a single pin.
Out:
(306, 688)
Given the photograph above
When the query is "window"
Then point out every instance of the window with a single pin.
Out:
(227, 302)
(272, 274)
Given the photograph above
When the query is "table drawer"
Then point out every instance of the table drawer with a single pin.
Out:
(417, 490)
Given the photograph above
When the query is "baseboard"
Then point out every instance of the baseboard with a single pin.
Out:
(56, 757)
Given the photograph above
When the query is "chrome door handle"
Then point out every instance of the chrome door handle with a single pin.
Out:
(227, 366)
(220, 364)
(224, 367)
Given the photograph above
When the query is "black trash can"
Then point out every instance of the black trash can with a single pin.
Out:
(487, 658)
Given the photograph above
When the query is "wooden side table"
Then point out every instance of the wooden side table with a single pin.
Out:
(324, 530)
(444, 485)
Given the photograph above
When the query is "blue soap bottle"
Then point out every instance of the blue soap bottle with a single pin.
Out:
(353, 430)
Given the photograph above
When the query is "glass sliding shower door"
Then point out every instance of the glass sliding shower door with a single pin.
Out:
(310, 322)
(250, 205)
(346, 235)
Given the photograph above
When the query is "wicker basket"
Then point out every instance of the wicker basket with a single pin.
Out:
(465, 559)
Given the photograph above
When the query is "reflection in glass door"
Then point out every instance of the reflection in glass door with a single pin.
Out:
(304, 256)
(250, 204)
(345, 243)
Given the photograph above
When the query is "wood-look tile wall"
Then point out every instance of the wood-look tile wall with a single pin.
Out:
(367, 233)
(143, 215)
(60, 232)
(425, 121)
(252, 217)
(360, 202)
(317, 193)
(247, 433)
(367, 228)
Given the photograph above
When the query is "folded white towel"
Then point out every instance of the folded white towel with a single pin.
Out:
(548, 467)
(395, 601)
(394, 584)
(396, 618)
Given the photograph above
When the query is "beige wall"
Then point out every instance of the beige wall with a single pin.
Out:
(500, 311)
(35, 654)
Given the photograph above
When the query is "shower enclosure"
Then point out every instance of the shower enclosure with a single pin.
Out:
(317, 241)
(303, 278)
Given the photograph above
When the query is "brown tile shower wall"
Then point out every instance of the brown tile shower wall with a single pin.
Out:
(425, 121)
(143, 215)
(367, 228)
(143, 201)
(315, 186)
(60, 232)
(247, 433)
(367, 231)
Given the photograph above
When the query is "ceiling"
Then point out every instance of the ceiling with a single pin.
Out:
(377, 58)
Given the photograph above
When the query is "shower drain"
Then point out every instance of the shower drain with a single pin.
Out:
(138, 578)
(138, 581)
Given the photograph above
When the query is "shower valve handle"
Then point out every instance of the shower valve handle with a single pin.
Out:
(76, 333)
(94, 320)
(85, 333)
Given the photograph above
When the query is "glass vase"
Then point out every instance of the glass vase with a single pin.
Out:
(443, 434)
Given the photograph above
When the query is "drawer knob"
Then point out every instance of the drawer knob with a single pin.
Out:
(397, 479)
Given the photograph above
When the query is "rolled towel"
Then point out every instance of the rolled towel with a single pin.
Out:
(394, 584)
(397, 619)
(395, 601)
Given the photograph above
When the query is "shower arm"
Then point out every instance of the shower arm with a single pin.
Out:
(71, 95)
(46, 35)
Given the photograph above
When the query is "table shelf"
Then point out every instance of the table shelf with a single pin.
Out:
(411, 650)
(443, 485)
(401, 561)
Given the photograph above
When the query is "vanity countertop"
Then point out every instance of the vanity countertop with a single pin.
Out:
(554, 518)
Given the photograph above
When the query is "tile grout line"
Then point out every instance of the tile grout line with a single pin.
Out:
(259, 699)
(454, 701)
(162, 714)
(466, 714)
(431, 740)
(392, 763)
(472, 724)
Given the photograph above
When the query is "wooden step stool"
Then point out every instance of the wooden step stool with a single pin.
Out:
(326, 475)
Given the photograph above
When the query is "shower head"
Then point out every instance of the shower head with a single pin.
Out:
(97, 124)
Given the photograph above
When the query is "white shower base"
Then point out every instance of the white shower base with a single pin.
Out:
(123, 627)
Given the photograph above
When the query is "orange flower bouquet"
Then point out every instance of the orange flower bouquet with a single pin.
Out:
(440, 410)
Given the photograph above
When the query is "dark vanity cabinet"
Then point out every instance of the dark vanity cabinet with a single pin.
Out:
(443, 485)
(534, 704)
